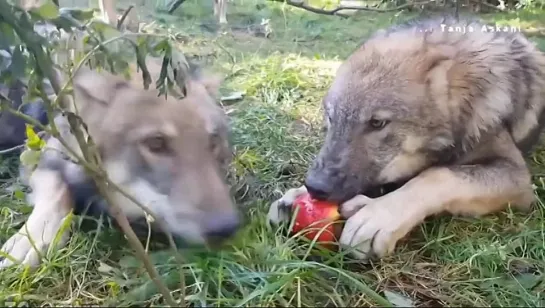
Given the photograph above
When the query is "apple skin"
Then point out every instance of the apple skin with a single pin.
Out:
(316, 214)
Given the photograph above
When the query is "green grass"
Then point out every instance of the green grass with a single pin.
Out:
(495, 261)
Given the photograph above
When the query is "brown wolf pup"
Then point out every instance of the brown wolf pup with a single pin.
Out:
(170, 154)
(443, 109)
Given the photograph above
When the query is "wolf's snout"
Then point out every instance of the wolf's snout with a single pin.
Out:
(221, 226)
(331, 184)
(319, 188)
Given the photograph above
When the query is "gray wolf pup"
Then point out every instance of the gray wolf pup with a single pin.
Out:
(170, 154)
(443, 109)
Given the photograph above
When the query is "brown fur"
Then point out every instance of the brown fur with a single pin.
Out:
(446, 115)
(170, 154)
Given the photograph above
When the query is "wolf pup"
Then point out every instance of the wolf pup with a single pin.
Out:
(170, 154)
(446, 115)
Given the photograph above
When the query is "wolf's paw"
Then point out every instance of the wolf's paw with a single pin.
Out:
(280, 210)
(33, 240)
(374, 226)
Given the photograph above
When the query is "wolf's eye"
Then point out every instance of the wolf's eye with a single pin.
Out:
(156, 144)
(378, 124)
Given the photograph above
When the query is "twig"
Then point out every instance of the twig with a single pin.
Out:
(488, 5)
(335, 11)
(20, 146)
(180, 260)
(133, 238)
(101, 180)
(12, 149)
(302, 5)
(122, 19)
(174, 5)
(4, 105)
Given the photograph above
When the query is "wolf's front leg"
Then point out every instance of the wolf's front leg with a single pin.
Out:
(375, 225)
(280, 210)
(52, 204)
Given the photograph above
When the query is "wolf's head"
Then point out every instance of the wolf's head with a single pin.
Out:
(170, 154)
(388, 116)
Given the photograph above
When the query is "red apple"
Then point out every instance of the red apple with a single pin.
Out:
(315, 214)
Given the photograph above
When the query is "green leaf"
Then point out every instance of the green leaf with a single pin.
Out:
(163, 45)
(7, 36)
(80, 54)
(47, 11)
(18, 63)
(33, 91)
(105, 29)
(141, 52)
(34, 142)
(78, 14)
(30, 158)
(65, 23)
(19, 195)
(64, 228)
(160, 82)
(179, 63)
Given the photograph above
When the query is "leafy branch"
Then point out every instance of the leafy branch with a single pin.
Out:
(338, 10)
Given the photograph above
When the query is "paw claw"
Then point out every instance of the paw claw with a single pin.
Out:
(280, 210)
(352, 206)
(375, 227)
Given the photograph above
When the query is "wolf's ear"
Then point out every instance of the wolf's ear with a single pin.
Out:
(92, 87)
(444, 74)
(94, 93)
(436, 60)
(212, 84)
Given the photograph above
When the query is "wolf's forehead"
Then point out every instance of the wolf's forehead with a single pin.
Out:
(337, 92)
(167, 119)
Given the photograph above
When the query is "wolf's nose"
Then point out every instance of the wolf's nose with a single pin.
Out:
(318, 189)
(221, 226)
